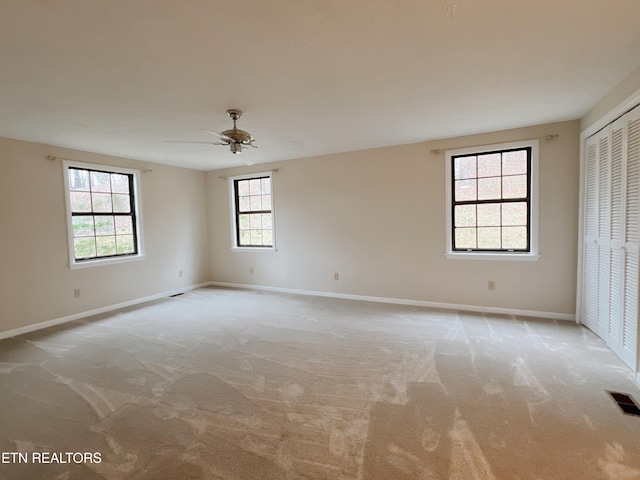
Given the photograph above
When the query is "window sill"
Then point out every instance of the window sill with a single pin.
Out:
(254, 249)
(105, 261)
(522, 257)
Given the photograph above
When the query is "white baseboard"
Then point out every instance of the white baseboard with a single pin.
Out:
(69, 318)
(399, 301)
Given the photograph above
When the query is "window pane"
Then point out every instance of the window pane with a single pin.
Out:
(84, 247)
(514, 237)
(121, 203)
(100, 182)
(514, 213)
(243, 187)
(465, 216)
(489, 165)
(465, 190)
(124, 244)
(489, 237)
(245, 204)
(244, 222)
(465, 238)
(106, 246)
(80, 201)
(266, 202)
(104, 225)
(489, 215)
(464, 167)
(256, 237)
(514, 163)
(119, 183)
(489, 188)
(266, 220)
(267, 238)
(255, 222)
(266, 186)
(514, 187)
(245, 237)
(255, 203)
(255, 186)
(78, 179)
(124, 225)
(83, 226)
(101, 202)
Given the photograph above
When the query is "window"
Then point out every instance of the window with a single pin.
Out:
(492, 209)
(102, 213)
(252, 211)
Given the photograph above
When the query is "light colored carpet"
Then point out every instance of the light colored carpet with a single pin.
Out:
(233, 384)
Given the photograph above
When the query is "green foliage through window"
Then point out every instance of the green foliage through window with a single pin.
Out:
(103, 216)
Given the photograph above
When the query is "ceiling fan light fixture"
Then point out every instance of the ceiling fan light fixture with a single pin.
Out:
(235, 148)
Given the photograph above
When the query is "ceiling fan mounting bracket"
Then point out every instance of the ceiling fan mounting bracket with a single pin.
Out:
(234, 113)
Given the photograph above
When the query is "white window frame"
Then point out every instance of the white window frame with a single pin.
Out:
(95, 262)
(234, 227)
(533, 254)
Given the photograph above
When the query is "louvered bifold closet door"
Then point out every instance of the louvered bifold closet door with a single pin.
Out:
(616, 252)
(590, 266)
(611, 257)
(632, 239)
(604, 232)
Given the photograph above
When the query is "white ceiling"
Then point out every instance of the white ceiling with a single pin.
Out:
(122, 77)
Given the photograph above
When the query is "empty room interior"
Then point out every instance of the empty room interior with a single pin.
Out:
(320, 240)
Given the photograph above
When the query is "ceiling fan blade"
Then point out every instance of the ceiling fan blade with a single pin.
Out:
(219, 135)
(197, 143)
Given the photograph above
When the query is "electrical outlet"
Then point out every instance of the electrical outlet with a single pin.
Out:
(491, 285)
(180, 273)
(336, 276)
(76, 293)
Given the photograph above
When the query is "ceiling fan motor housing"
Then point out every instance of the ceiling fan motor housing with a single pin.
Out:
(238, 136)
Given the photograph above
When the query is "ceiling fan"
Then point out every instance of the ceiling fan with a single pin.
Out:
(236, 139)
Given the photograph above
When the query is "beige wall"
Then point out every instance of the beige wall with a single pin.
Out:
(629, 87)
(37, 283)
(377, 217)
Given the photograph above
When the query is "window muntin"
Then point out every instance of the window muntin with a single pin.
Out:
(491, 201)
(102, 213)
(253, 211)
